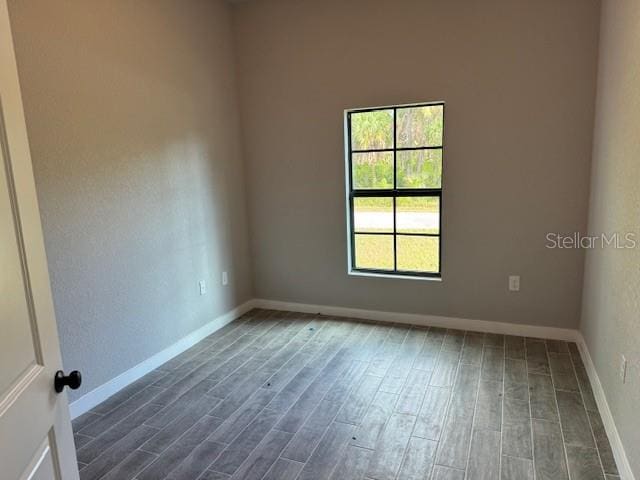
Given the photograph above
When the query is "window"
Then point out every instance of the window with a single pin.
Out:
(394, 187)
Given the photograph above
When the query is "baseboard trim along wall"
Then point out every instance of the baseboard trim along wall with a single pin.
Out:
(98, 395)
(104, 391)
(605, 412)
(424, 320)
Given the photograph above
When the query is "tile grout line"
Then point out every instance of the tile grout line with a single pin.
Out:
(533, 450)
(584, 406)
(449, 400)
(413, 429)
(475, 410)
(555, 399)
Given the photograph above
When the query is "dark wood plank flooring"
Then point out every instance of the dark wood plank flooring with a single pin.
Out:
(290, 396)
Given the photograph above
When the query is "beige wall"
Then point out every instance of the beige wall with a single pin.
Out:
(519, 80)
(132, 118)
(612, 279)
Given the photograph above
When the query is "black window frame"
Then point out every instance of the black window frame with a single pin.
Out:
(393, 193)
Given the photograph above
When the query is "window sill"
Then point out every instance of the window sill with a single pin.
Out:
(357, 273)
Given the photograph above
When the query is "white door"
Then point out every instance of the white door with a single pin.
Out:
(36, 442)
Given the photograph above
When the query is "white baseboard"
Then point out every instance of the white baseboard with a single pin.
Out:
(104, 391)
(605, 412)
(425, 320)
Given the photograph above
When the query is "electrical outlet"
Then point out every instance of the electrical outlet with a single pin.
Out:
(225, 278)
(514, 283)
(203, 287)
(622, 369)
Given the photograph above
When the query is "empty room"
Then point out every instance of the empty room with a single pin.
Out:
(320, 240)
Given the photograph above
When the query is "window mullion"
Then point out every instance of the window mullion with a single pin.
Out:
(352, 226)
(395, 188)
(382, 192)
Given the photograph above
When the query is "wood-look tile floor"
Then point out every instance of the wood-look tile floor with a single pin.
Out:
(284, 396)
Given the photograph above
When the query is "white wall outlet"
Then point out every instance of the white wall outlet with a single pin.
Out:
(514, 283)
(622, 369)
(225, 278)
(203, 287)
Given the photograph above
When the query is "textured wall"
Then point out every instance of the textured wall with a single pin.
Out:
(132, 118)
(612, 280)
(518, 77)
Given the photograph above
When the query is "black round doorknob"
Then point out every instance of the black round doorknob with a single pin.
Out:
(73, 380)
